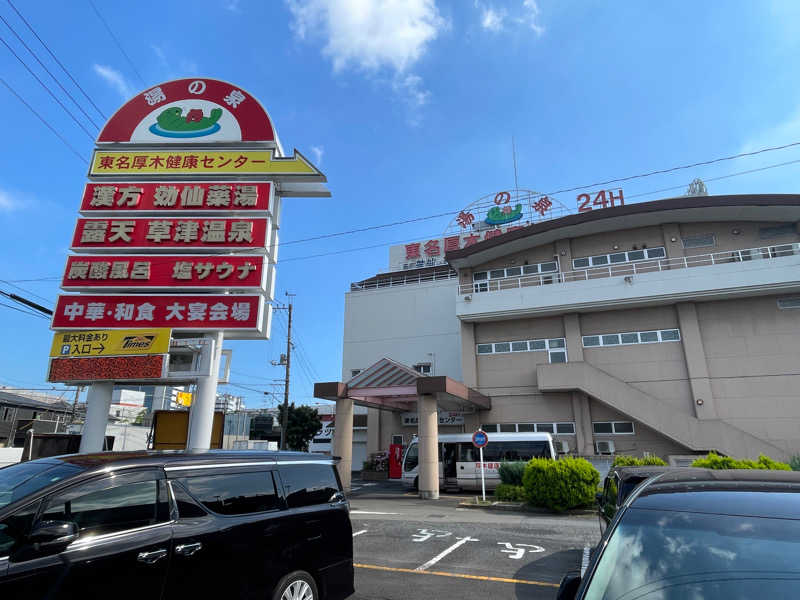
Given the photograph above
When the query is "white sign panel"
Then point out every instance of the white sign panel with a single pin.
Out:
(411, 419)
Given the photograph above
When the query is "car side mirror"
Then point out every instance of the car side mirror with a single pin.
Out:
(337, 497)
(569, 586)
(49, 535)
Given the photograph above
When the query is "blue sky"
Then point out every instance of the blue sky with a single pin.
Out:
(409, 107)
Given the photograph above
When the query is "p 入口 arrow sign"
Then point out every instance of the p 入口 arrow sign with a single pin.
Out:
(204, 162)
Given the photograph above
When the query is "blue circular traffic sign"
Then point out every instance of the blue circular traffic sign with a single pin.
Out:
(480, 439)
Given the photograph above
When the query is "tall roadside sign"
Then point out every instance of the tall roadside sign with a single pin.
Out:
(178, 230)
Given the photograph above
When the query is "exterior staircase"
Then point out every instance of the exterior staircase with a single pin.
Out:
(682, 428)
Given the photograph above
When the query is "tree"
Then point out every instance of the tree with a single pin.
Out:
(304, 423)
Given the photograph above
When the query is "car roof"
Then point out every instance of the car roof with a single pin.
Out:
(167, 458)
(745, 492)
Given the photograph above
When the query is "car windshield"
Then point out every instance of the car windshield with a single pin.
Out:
(667, 555)
(17, 481)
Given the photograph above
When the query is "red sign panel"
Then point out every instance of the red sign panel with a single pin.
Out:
(197, 312)
(164, 272)
(113, 235)
(161, 197)
(115, 368)
(190, 111)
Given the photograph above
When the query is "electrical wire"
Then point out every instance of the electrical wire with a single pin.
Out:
(47, 89)
(26, 291)
(46, 124)
(116, 41)
(25, 312)
(53, 56)
(53, 77)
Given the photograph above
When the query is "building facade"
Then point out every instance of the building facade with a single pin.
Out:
(668, 327)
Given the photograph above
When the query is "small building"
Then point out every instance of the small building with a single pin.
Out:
(18, 413)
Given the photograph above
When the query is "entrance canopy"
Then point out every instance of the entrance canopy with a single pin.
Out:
(390, 385)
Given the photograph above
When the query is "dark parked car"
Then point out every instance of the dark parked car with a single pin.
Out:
(697, 533)
(149, 525)
(618, 485)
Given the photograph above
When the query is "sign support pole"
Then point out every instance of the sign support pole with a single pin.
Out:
(483, 479)
(201, 414)
(98, 401)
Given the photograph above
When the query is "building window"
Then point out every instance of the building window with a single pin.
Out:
(555, 347)
(766, 233)
(613, 428)
(705, 240)
(783, 304)
(551, 428)
(423, 368)
(633, 337)
(479, 278)
(397, 439)
(602, 260)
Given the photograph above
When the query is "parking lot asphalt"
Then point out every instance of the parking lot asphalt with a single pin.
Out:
(407, 548)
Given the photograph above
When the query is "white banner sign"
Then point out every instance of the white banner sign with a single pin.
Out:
(411, 419)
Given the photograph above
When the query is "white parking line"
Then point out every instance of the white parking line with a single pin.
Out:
(355, 533)
(369, 512)
(441, 555)
(585, 560)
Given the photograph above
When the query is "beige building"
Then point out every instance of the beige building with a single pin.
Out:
(668, 327)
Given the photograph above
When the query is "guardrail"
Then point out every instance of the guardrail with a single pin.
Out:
(403, 279)
(634, 268)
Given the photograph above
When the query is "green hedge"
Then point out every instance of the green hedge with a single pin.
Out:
(509, 493)
(714, 461)
(795, 462)
(560, 484)
(511, 472)
(624, 460)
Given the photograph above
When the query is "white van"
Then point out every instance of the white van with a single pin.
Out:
(459, 462)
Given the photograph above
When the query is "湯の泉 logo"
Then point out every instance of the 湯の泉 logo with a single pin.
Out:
(173, 123)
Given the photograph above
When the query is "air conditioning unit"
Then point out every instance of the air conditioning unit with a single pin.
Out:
(604, 447)
(562, 447)
(467, 298)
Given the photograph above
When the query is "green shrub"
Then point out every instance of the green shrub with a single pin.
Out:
(795, 462)
(560, 484)
(714, 461)
(509, 493)
(624, 460)
(511, 472)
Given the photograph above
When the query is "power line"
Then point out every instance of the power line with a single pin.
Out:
(116, 41)
(47, 89)
(26, 291)
(63, 68)
(46, 124)
(25, 312)
(53, 77)
(27, 303)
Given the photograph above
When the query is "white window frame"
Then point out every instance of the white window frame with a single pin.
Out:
(555, 424)
(614, 428)
(421, 369)
(551, 346)
(638, 334)
(484, 276)
(627, 260)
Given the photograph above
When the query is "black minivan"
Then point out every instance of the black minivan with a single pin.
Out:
(150, 525)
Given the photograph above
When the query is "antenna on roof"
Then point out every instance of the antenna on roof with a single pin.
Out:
(514, 157)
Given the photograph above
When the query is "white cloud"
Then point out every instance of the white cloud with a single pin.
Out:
(184, 66)
(531, 17)
(317, 151)
(116, 80)
(233, 6)
(492, 19)
(373, 36)
(8, 202)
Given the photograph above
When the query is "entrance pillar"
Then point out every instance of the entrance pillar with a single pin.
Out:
(98, 402)
(428, 447)
(343, 440)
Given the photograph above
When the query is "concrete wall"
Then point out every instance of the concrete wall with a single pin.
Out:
(644, 439)
(404, 323)
(752, 349)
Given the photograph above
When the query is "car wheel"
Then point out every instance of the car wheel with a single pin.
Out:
(297, 585)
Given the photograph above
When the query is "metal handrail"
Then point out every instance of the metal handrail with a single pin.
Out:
(632, 268)
(400, 278)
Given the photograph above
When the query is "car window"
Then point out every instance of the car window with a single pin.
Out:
(187, 507)
(667, 555)
(610, 496)
(15, 528)
(234, 493)
(305, 485)
(412, 458)
(19, 480)
(109, 506)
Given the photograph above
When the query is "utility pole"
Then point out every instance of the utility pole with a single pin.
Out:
(75, 404)
(285, 420)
